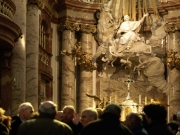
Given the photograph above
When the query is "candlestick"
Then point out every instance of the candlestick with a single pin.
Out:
(145, 100)
(115, 98)
(151, 100)
(139, 99)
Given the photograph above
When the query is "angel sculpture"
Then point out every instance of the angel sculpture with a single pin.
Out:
(99, 104)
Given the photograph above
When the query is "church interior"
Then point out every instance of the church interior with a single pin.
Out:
(74, 52)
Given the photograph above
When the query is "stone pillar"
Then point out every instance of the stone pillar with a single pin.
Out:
(68, 70)
(86, 83)
(32, 53)
(174, 76)
(19, 58)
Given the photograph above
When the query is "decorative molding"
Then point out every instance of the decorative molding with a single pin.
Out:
(83, 59)
(173, 60)
(88, 28)
(172, 27)
(7, 8)
(69, 26)
(10, 32)
(77, 27)
(39, 3)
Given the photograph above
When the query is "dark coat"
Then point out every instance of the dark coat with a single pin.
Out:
(140, 130)
(3, 129)
(44, 126)
(76, 128)
(108, 124)
(158, 128)
(16, 122)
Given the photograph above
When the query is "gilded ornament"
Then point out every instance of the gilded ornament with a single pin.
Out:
(170, 28)
(88, 28)
(69, 26)
(177, 62)
(173, 60)
(39, 3)
(83, 59)
(178, 26)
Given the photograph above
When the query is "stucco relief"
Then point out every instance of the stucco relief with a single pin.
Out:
(121, 42)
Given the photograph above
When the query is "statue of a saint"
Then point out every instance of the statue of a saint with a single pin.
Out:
(128, 30)
(105, 25)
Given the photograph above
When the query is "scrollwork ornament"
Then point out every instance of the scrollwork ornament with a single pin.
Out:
(173, 60)
(69, 26)
(177, 26)
(61, 27)
(72, 26)
(171, 57)
(177, 62)
(88, 28)
(39, 3)
(170, 28)
(83, 59)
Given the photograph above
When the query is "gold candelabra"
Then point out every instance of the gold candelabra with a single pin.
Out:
(173, 60)
(83, 59)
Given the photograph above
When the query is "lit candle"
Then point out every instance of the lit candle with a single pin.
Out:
(115, 98)
(145, 100)
(139, 99)
(151, 100)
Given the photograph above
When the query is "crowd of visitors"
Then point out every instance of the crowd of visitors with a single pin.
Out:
(92, 121)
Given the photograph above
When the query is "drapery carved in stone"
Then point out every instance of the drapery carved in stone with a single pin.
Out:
(39, 3)
(88, 28)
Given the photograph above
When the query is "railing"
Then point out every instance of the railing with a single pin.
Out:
(7, 8)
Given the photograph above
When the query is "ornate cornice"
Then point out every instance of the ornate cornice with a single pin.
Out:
(39, 3)
(77, 27)
(172, 27)
(88, 28)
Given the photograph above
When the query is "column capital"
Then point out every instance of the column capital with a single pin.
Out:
(172, 27)
(77, 27)
(39, 3)
(68, 26)
(88, 28)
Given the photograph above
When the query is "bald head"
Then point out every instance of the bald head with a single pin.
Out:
(47, 108)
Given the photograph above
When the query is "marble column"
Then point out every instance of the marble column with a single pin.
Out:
(86, 83)
(32, 53)
(68, 70)
(174, 76)
(19, 58)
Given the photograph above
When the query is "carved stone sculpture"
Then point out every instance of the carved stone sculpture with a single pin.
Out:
(130, 47)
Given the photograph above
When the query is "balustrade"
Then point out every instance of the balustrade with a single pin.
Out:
(7, 8)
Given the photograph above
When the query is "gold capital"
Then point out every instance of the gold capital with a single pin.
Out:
(39, 3)
(88, 28)
(68, 26)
